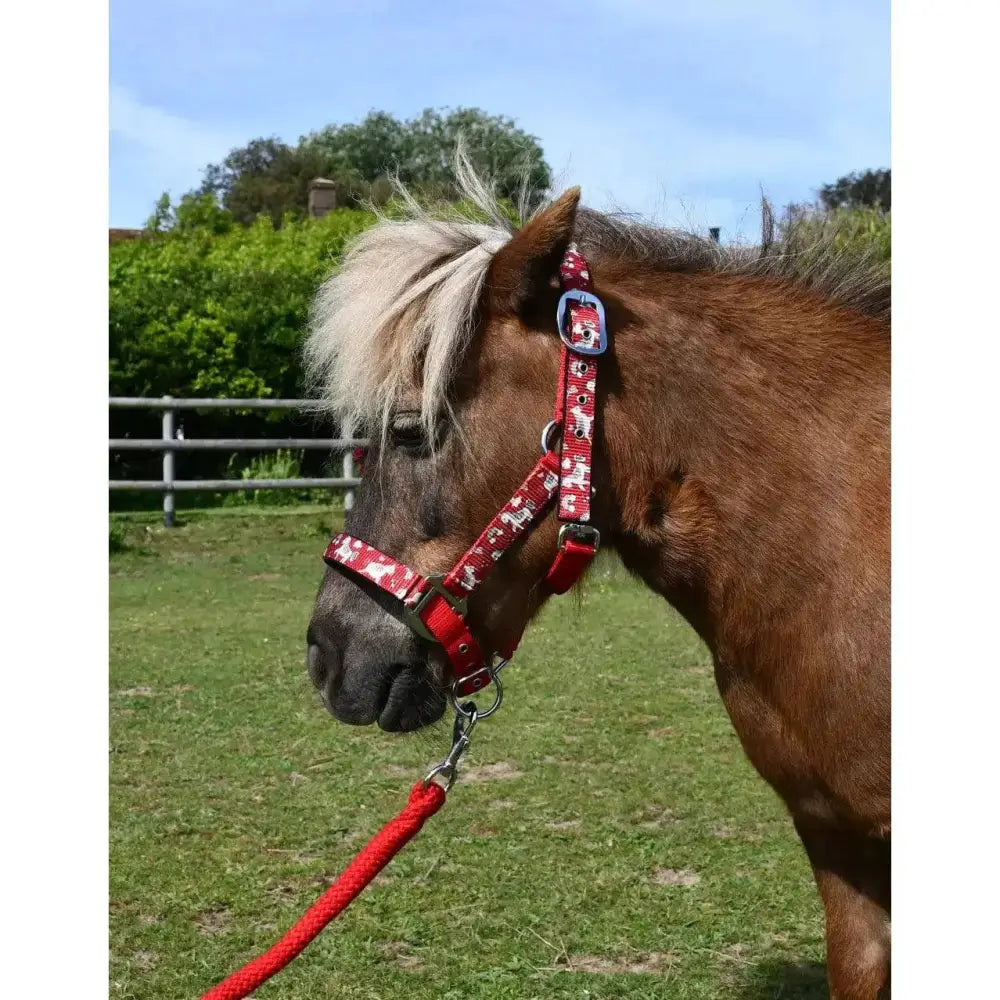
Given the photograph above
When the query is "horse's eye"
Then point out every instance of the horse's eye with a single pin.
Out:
(407, 432)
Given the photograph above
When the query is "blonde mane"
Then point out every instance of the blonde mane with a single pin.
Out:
(399, 312)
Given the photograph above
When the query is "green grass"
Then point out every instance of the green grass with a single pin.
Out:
(235, 798)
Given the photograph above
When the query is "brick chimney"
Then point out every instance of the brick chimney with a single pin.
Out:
(322, 197)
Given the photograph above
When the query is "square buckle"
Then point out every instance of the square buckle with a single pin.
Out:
(585, 533)
(584, 299)
(435, 585)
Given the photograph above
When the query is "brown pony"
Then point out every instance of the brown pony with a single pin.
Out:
(740, 469)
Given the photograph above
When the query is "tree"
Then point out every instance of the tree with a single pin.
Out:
(194, 212)
(265, 177)
(269, 177)
(871, 189)
(421, 151)
(852, 216)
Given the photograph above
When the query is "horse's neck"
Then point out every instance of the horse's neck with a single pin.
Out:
(748, 446)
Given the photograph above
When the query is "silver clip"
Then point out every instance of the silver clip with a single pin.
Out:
(466, 718)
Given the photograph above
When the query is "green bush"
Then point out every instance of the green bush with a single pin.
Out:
(852, 230)
(117, 537)
(276, 465)
(201, 311)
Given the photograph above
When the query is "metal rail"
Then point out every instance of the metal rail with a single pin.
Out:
(169, 444)
(234, 444)
(224, 485)
(170, 403)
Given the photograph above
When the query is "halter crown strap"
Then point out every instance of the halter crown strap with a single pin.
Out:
(435, 607)
(583, 331)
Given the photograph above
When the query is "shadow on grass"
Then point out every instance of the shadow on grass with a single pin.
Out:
(784, 981)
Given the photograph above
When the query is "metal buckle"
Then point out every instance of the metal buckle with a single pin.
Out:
(582, 532)
(585, 299)
(411, 613)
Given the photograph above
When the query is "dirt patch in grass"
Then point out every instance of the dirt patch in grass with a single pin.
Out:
(266, 576)
(654, 817)
(675, 876)
(564, 824)
(500, 771)
(735, 953)
(481, 830)
(400, 953)
(659, 734)
(214, 920)
(653, 962)
(145, 959)
(284, 891)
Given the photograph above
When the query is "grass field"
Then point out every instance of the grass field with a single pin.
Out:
(607, 838)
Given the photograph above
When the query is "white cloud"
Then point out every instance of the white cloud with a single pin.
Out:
(153, 150)
(174, 141)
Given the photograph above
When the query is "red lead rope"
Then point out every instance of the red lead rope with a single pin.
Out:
(425, 800)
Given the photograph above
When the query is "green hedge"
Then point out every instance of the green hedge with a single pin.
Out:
(200, 313)
(853, 230)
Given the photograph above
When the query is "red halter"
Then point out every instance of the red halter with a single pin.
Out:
(435, 607)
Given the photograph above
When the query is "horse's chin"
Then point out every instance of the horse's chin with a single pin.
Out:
(412, 703)
(400, 697)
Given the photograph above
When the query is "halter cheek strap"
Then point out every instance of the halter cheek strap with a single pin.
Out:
(436, 607)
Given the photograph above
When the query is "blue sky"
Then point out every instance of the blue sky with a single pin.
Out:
(680, 111)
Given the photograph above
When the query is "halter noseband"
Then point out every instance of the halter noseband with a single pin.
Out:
(435, 607)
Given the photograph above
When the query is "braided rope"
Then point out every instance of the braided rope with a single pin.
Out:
(425, 800)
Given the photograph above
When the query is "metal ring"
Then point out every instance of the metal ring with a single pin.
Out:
(547, 431)
(497, 698)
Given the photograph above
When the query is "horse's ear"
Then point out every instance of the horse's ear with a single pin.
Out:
(529, 263)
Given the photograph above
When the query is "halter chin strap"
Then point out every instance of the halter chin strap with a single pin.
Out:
(436, 607)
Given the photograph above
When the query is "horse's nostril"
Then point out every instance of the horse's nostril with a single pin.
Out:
(316, 664)
(325, 668)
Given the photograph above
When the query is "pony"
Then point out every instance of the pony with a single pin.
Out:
(740, 470)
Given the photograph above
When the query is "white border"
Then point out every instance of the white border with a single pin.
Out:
(54, 179)
(946, 668)
(945, 499)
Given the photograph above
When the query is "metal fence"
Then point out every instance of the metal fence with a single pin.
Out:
(169, 444)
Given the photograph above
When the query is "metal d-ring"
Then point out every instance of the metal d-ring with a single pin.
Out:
(494, 675)
(548, 431)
